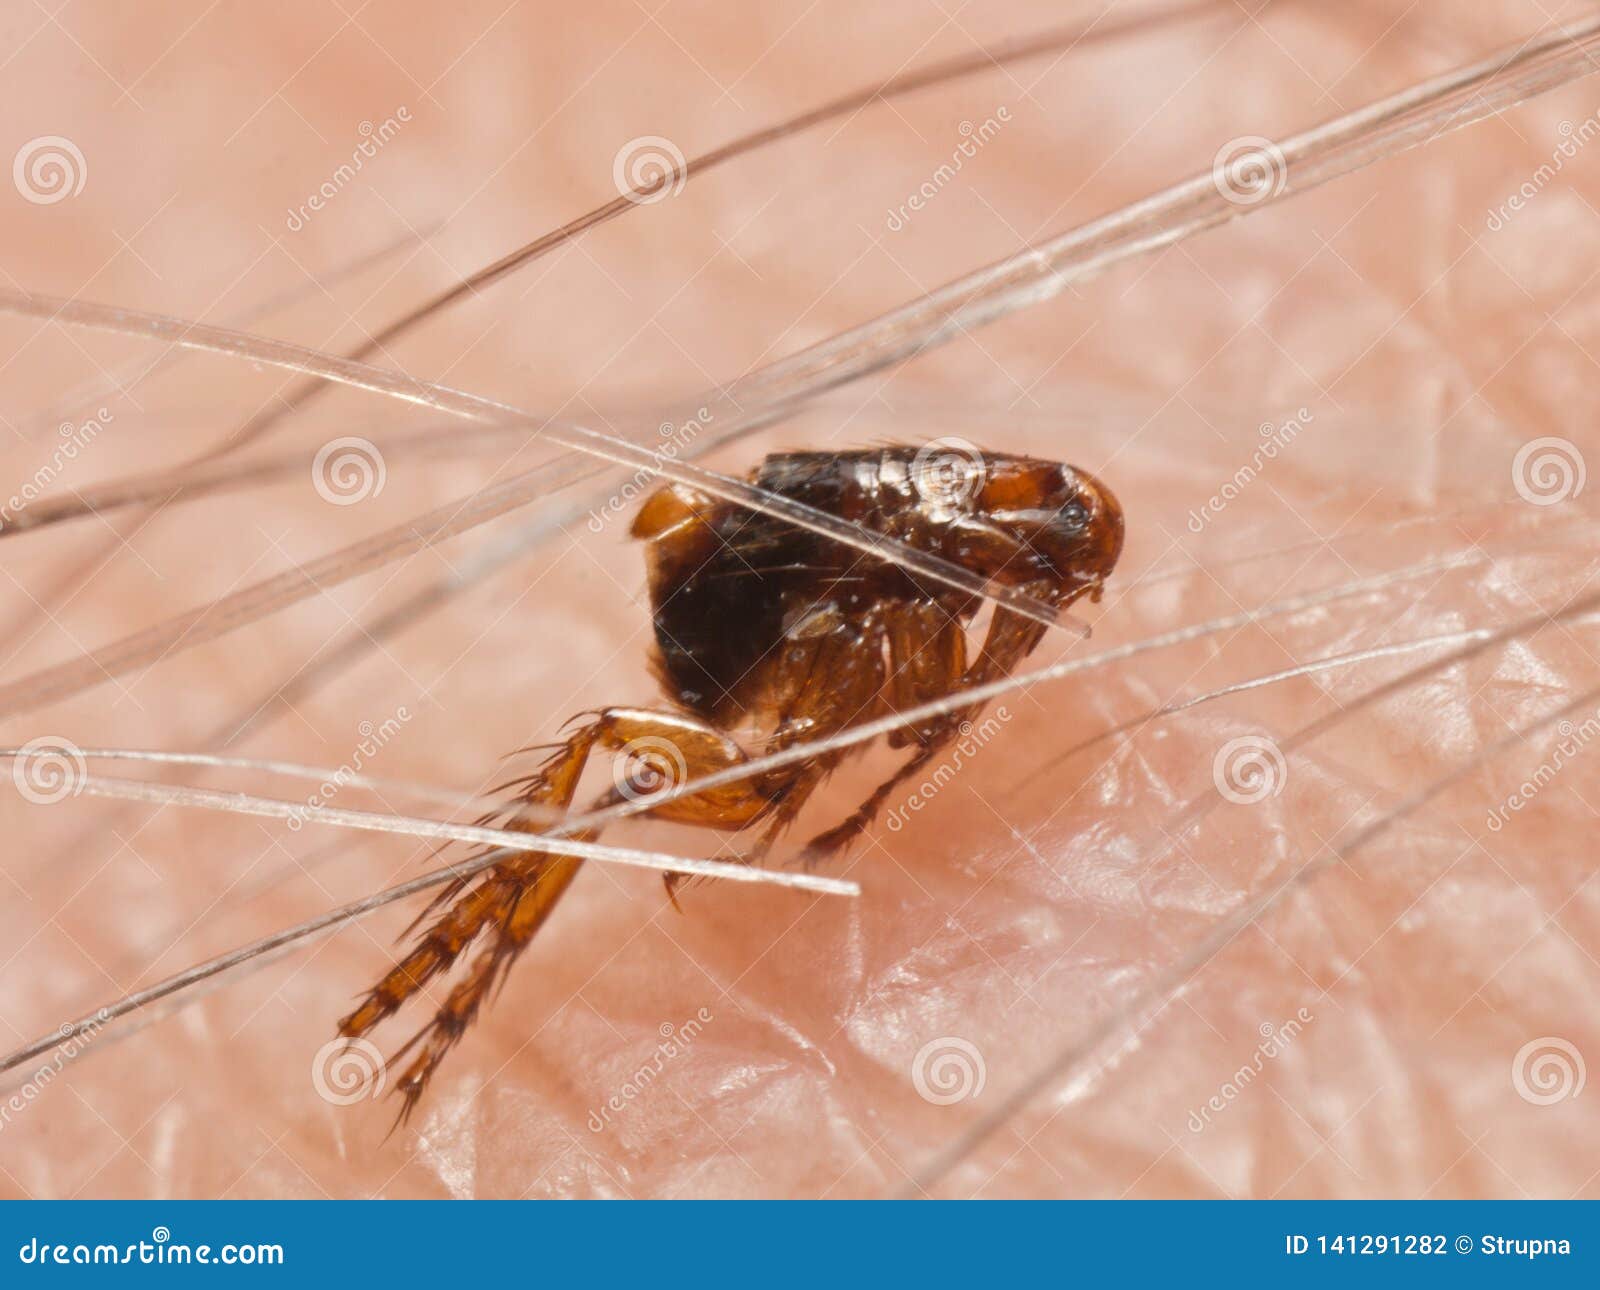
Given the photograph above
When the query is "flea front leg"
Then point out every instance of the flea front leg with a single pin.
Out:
(833, 678)
(929, 662)
(927, 659)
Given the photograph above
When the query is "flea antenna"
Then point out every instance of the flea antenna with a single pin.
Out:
(507, 550)
(1010, 293)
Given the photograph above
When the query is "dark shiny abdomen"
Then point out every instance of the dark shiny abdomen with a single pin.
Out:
(721, 620)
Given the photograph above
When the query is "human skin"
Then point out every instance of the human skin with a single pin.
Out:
(1043, 895)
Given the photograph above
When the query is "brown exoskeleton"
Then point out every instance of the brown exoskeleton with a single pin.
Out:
(764, 626)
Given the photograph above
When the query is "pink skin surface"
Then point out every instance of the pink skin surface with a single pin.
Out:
(1412, 1020)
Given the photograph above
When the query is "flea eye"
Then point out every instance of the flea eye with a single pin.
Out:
(1073, 516)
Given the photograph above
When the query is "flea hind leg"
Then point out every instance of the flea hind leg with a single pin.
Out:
(662, 750)
(510, 901)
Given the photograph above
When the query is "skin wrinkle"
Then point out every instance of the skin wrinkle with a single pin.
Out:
(538, 1063)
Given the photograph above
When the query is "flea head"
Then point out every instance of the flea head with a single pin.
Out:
(1066, 524)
